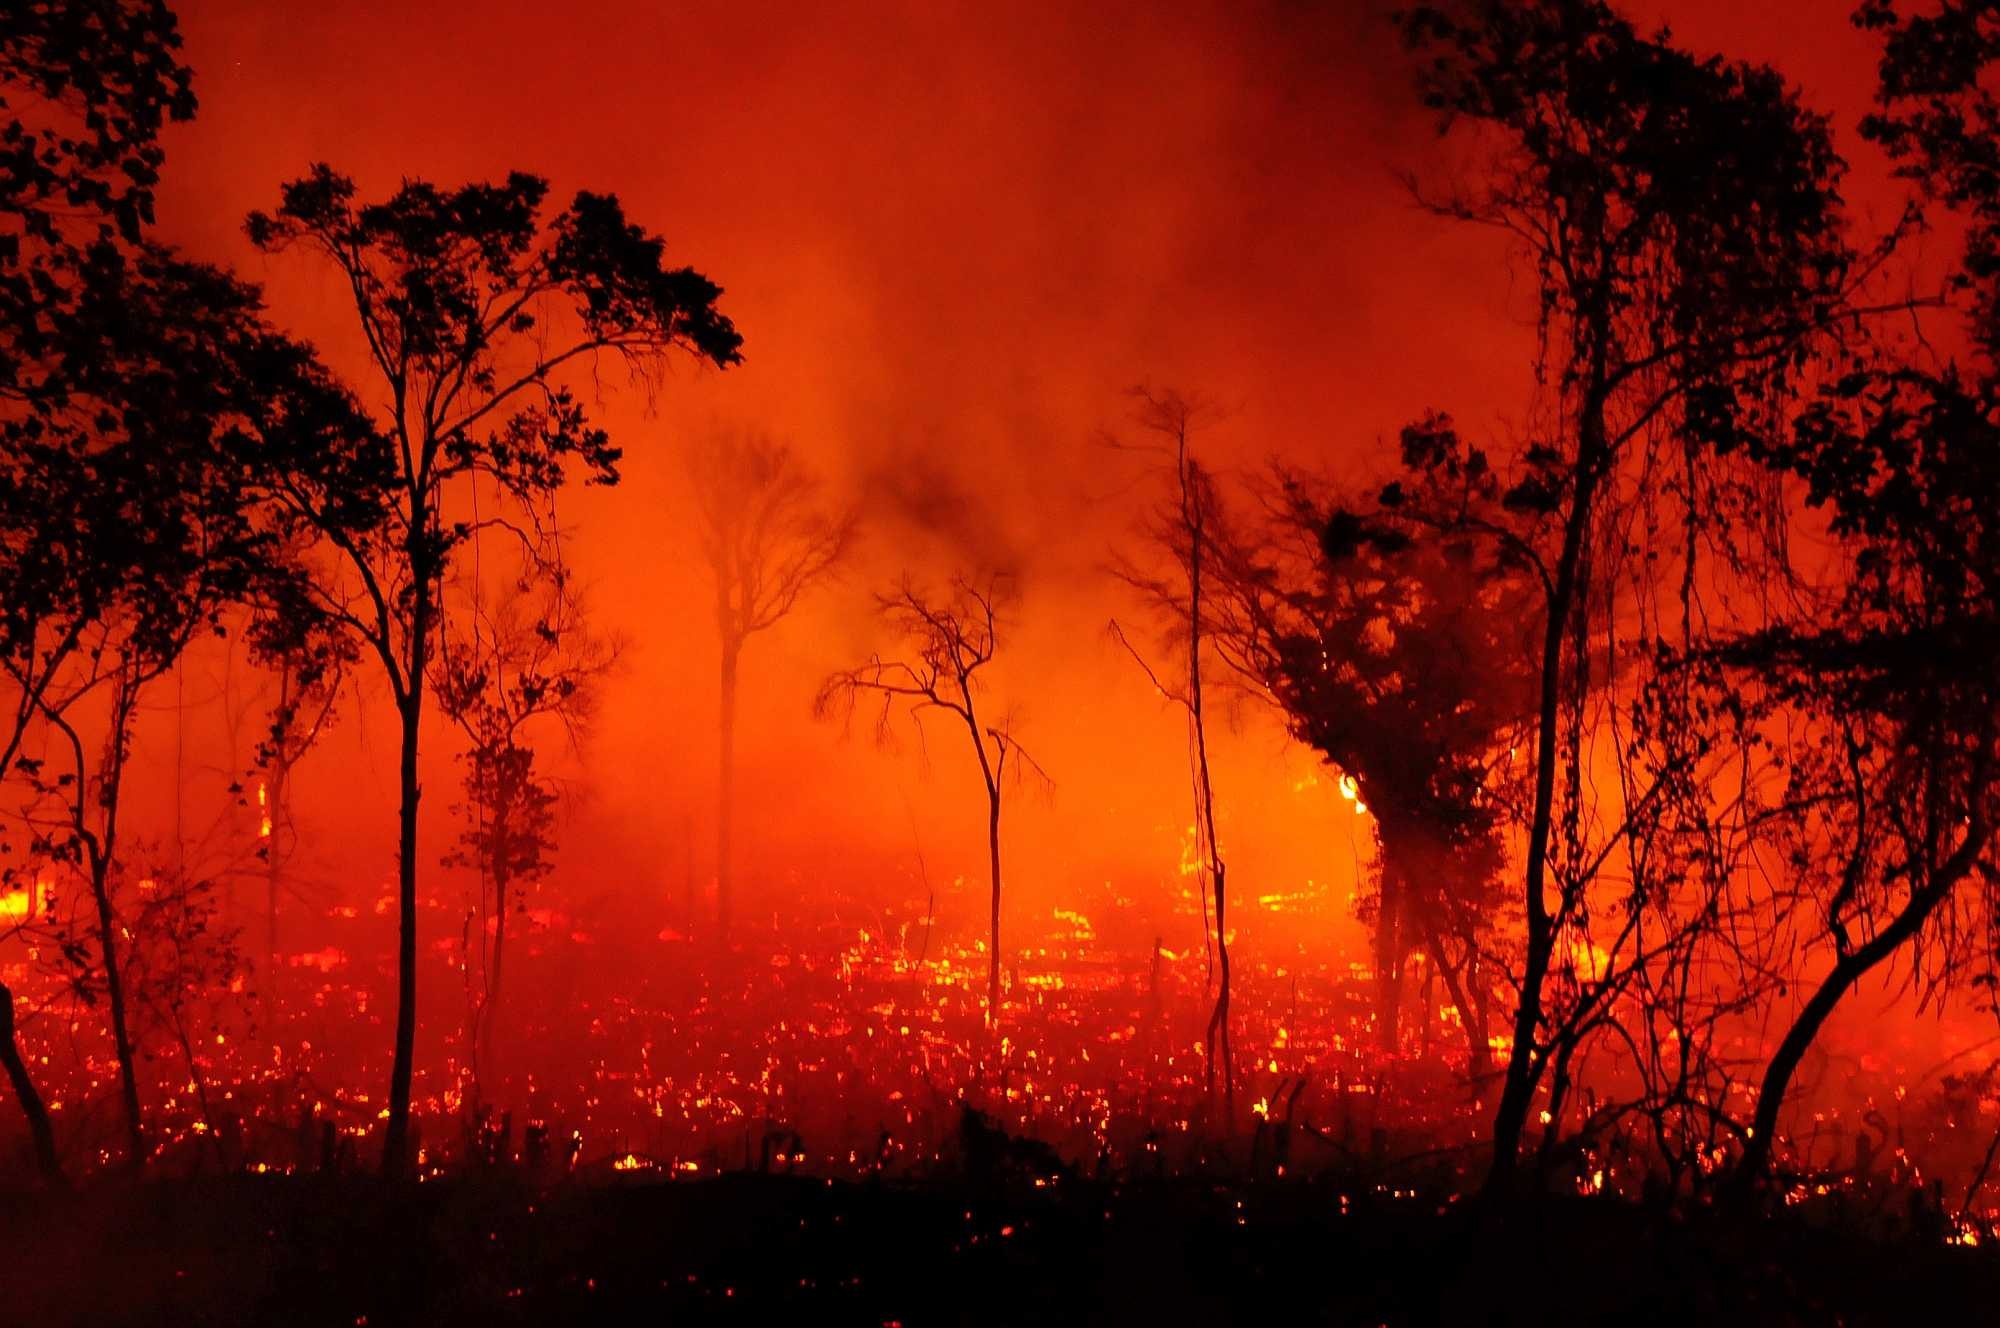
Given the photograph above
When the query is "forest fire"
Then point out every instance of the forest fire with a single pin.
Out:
(616, 708)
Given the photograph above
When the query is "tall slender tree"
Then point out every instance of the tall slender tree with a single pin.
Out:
(767, 538)
(472, 303)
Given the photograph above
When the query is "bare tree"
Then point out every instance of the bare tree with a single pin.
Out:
(766, 539)
(1180, 529)
(951, 639)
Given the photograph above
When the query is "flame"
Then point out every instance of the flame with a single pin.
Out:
(22, 903)
(1350, 790)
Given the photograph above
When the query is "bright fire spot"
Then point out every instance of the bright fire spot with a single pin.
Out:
(263, 811)
(21, 903)
(1350, 789)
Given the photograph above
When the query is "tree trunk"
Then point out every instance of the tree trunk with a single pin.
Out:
(993, 957)
(1523, 1070)
(395, 1141)
(1467, 993)
(725, 817)
(1389, 954)
(1847, 970)
(1460, 984)
(1559, 1087)
(1219, 1049)
(1426, 1006)
(39, 1129)
(114, 989)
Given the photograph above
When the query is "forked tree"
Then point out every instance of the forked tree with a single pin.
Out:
(767, 537)
(950, 639)
(472, 304)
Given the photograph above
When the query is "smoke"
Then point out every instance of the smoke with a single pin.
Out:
(953, 237)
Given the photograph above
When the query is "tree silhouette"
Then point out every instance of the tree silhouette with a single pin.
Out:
(1185, 529)
(41, 1130)
(128, 525)
(1402, 662)
(90, 84)
(471, 304)
(951, 639)
(137, 385)
(766, 539)
(1682, 222)
(311, 665)
(1902, 454)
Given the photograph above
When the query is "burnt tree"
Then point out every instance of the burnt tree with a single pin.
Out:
(951, 639)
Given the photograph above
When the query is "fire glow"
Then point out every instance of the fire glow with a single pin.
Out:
(701, 663)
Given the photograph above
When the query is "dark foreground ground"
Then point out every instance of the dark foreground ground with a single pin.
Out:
(756, 1249)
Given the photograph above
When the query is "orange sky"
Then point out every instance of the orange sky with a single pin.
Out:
(951, 236)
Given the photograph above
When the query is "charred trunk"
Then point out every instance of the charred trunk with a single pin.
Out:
(40, 1131)
(993, 931)
(395, 1143)
(114, 991)
(1523, 1067)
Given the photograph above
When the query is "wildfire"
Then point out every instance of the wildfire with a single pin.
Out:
(1350, 791)
(22, 903)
